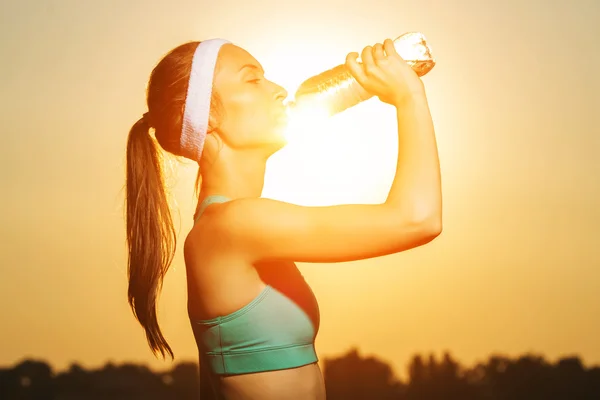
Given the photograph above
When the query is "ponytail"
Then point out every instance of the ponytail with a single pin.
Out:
(151, 236)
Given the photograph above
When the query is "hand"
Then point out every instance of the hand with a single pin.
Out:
(384, 74)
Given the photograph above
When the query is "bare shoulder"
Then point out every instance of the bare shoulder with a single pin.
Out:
(206, 237)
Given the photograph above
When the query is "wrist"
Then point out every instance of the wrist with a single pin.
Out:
(411, 99)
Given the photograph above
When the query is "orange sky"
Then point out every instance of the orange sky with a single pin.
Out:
(514, 97)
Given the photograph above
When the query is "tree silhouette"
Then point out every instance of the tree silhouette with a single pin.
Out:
(347, 377)
(438, 380)
(353, 377)
(570, 379)
(31, 379)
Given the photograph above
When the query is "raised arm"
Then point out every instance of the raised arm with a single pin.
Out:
(264, 229)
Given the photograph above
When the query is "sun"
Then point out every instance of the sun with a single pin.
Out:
(335, 159)
(348, 157)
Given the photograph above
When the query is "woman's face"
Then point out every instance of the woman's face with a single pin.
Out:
(253, 114)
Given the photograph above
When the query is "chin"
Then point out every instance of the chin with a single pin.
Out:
(276, 141)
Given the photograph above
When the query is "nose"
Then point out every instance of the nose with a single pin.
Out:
(280, 93)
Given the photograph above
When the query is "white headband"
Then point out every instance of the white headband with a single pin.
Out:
(197, 101)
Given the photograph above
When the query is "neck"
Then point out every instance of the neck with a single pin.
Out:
(234, 174)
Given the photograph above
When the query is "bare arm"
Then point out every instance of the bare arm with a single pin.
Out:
(264, 229)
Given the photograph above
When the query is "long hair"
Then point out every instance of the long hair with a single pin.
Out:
(150, 232)
(151, 237)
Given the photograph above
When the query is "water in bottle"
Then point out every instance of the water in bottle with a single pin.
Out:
(335, 90)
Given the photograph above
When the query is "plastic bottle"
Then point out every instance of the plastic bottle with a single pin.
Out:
(335, 90)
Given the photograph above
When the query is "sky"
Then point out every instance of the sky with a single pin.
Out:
(514, 97)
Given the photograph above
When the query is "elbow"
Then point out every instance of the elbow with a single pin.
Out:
(430, 227)
(420, 226)
(417, 232)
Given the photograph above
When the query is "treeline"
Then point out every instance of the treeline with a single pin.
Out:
(347, 377)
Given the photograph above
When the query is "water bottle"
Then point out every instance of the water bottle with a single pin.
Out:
(336, 90)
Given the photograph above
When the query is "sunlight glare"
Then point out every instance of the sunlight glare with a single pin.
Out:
(304, 124)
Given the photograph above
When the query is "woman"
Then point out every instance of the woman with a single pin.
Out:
(253, 316)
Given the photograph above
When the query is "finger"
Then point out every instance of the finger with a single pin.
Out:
(390, 49)
(356, 70)
(378, 53)
(367, 59)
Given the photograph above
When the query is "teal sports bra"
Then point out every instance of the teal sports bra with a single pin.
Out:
(274, 331)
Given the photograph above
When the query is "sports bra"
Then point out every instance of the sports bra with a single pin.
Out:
(271, 332)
